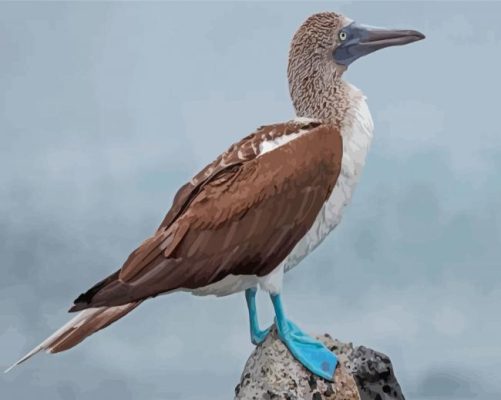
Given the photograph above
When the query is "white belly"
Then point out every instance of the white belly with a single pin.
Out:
(228, 285)
(237, 283)
(357, 137)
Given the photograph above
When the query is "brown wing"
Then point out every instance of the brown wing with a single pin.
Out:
(245, 150)
(242, 214)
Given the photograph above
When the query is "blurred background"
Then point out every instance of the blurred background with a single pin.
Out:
(107, 108)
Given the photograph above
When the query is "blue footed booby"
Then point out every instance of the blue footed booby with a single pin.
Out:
(261, 206)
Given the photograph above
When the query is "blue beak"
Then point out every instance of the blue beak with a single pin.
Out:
(359, 40)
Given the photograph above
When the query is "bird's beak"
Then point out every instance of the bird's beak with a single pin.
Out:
(359, 40)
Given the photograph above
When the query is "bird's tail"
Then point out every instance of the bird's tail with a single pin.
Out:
(77, 329)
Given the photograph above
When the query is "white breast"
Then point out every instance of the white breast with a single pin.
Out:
(357, 137)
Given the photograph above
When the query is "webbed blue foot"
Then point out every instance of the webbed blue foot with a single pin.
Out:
(257, 335)
(310, 352)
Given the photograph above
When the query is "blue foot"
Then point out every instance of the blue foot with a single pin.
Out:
(308, 351)
(258, 336)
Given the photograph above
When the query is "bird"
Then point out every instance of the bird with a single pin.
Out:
(263, 205)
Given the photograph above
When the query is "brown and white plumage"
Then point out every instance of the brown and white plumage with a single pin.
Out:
(220, 225)
(78, 328)
(265, 203)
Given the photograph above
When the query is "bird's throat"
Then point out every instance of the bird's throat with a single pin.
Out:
(327, 101)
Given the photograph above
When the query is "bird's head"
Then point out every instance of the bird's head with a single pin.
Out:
(325, 45)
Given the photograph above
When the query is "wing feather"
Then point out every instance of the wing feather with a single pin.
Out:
(242, 214)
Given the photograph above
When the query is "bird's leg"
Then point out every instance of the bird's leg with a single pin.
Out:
(310, 352)
(257, 335)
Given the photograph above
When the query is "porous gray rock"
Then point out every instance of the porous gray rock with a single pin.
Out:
(374, 374)
(271, 373)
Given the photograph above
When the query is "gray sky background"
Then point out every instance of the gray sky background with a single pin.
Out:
(106, 109)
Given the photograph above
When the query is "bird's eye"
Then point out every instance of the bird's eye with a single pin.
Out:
(343, 35)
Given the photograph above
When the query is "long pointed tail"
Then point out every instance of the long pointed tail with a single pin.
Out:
(77, 329)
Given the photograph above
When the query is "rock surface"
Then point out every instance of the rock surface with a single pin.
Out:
(271, 373)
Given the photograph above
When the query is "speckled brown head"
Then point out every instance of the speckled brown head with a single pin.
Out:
(321, 50)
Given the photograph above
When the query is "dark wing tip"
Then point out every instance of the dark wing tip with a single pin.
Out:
(82, 302)
(85, 299)
(78, 306)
